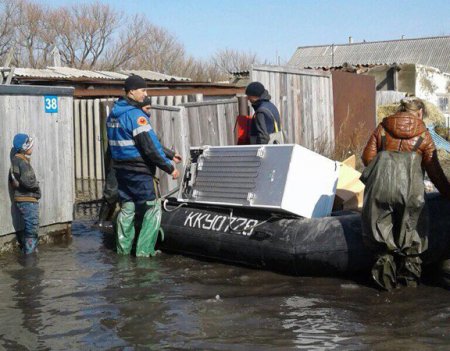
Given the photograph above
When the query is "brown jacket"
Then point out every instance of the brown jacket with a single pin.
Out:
(402, 132)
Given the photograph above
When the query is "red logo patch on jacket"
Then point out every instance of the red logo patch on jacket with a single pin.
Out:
(142, 121)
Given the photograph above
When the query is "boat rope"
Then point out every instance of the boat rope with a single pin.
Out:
(166, 201)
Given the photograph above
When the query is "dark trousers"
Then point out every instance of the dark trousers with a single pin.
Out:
(110, 196)
(135, 187)
(28, 238)
(110, 192)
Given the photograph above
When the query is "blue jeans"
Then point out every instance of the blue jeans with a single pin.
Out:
(28, 238)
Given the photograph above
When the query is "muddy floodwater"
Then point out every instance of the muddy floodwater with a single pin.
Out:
(80, 295)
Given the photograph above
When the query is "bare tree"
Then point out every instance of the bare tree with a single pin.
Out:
(34, 39)
(161, 51)
(123, 53)
(229, 60)
(83, 32)
(142, 45)
(9, 10)
(94, 36)
(201, 70)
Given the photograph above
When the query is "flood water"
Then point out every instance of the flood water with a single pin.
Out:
(80, 295)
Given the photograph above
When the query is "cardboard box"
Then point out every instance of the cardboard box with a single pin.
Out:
(350, 190)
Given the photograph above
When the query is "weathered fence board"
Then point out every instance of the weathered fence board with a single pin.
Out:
(99, 171)
(194, 124)
(77, 139)
(22, 110)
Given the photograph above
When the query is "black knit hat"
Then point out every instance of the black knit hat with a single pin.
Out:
(135, 82)
(255, 89)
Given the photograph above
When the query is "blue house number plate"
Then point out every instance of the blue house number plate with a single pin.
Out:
(50, 104)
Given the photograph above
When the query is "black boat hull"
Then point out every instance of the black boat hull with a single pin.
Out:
(299, 246)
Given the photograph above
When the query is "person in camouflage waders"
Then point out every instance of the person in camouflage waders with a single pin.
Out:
(394, 216)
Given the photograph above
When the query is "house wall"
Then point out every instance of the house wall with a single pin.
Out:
(400, 77)
(433, 86)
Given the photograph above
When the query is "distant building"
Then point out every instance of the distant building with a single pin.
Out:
(419, 66)
(432, 52)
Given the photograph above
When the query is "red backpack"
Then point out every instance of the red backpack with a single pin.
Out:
(242, 129)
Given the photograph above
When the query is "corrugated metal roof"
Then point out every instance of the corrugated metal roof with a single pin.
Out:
(151, 75)
(433, 52)
(37, 73)
(78, 73)
(74, 73)
(114, 75)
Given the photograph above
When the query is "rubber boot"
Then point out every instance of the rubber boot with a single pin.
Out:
(104, 212)
(410, 271)
(125, 228)
(384, 272)
(445, 273)
(149, 230)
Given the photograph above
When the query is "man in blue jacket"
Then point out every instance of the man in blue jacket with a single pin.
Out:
(136, 152)
(265, 122)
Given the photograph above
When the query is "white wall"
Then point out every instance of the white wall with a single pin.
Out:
(432, 84)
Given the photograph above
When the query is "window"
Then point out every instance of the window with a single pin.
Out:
(443, 103)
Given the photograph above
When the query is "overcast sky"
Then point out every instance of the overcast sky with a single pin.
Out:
(277, 28)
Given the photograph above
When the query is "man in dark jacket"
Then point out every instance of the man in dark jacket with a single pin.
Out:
(136, 152)
(26, 192)
(266, 120)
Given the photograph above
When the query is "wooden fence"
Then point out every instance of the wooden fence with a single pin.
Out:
(303, 97)
(305, 101)
(25, 109)
(89, 135)
(191, 124)
(194, 124)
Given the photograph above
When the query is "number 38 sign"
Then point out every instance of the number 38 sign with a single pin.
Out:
(50, 104)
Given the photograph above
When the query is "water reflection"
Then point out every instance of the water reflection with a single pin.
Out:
(21, 317)
(83, 296)
(318, 326)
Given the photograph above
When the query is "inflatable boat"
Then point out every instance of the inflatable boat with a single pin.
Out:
(299, 246)
(270, 206)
